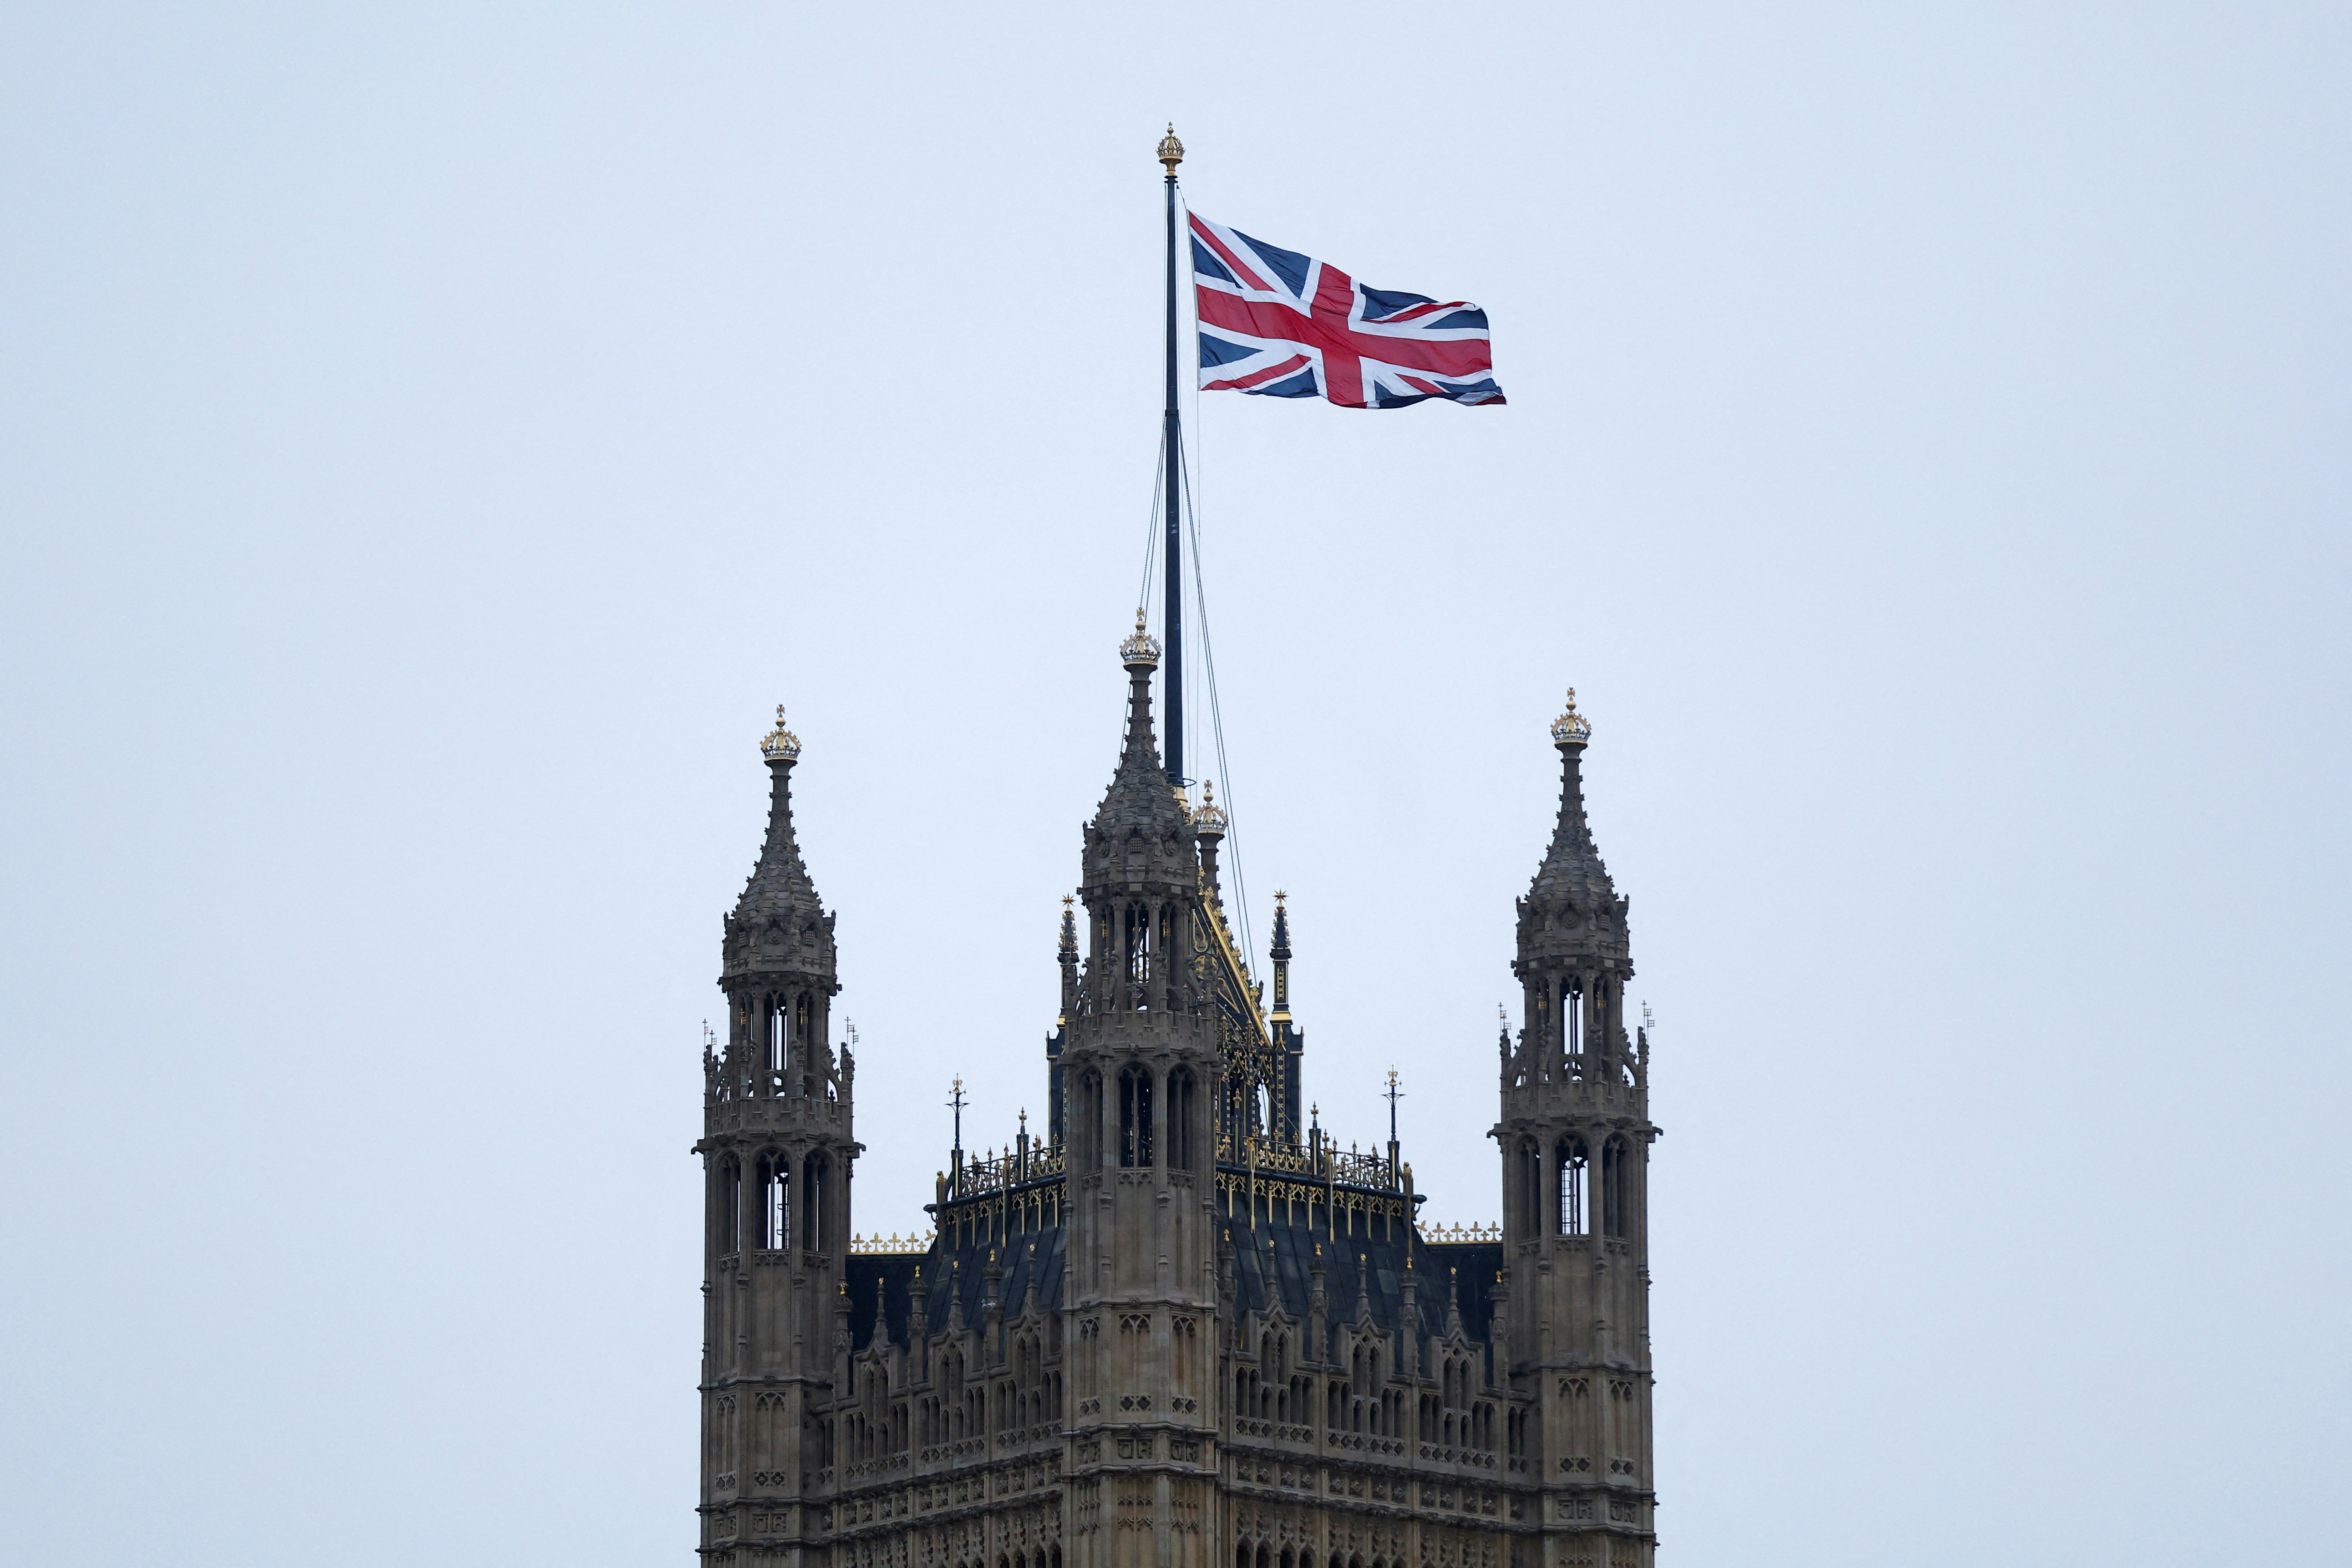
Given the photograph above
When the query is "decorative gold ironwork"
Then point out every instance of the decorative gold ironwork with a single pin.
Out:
(889, 1245)
(1208, 820)
(781, 745)
(1571, 728)
(1171, 152)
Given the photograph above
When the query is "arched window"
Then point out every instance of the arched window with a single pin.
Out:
(812, 1204)
(1182, 1093)
(1572, 1021)
(775, 1007)
(1531, 1185)
(1135, 1116)
(1573, 1220)
(729, 1201)
(775, 1203)
(1090, 1114)
(803, 1012)
(1614, 1159)
(1139, 954)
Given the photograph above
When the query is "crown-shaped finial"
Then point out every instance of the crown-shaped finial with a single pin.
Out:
(782, 745)
(1171, 152)
(1141, 648)
(1209, 821)
(1571, 728)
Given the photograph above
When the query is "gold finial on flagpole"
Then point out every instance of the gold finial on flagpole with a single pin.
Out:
(1171, 152)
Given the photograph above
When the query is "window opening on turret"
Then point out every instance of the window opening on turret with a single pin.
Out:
(775, 1051)
(802, 1009)
(730, 1206)
(1135, 1116)
(1182, 1093)
(1613, 1162)
(1138, 954)
(1571, 1022)
(1532, 1186)
(812, 1205)
(775, 1203)
(1573, 1220)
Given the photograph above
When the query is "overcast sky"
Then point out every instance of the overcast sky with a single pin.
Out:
(434, 437)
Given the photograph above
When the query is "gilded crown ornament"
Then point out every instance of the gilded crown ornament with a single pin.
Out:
(1211, 816)
(1140, 648)
(781, 745)
(1571, 728)
(1171, 152)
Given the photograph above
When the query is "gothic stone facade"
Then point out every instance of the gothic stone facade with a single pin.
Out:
(1176, 1328)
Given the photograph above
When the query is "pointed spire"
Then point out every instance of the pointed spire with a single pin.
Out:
(1141, 797)
(881, 1341)
(1572, 871)
(779, 903)
(1363, 1289)
(1280, 951)
(1209, 824)
(1454, 1304)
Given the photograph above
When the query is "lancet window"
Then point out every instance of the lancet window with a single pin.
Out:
(775, 1203)
(1615, 1160)
(1573, 1159)
(728, 1209)
(812, 1203)
(1183, 1095)
(777, 1047)
(1135, 1116)
(1138, 954)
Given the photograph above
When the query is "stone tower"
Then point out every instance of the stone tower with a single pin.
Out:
(1140, 1068)
(1575, 1136)
(777, 1150)
(1181, 1329)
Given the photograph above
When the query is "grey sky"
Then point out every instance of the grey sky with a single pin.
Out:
(435, 437)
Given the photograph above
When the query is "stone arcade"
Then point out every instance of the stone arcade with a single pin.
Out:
(1181, 1327)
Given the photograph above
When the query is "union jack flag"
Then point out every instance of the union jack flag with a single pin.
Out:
(1279, 325)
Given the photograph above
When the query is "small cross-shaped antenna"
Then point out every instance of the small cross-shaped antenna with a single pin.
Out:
(1392, 1096)
(956, 1104)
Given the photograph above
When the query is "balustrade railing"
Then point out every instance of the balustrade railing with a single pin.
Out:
(995, 1173)
(1349, 1167)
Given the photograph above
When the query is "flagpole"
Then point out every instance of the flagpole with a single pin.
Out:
(1172, 672)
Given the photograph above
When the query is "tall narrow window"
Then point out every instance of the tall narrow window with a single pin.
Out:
(813, 1206)
(1572, 1162)
(800, 1036)
(1091, 1115)
(1613, 1161)
(730, 1199)
(1531, 1187)
(1181, 1097)
(775, 1010)
(1135, 1116)
(1139, 954)
(1571, 1017)
(775, 1203)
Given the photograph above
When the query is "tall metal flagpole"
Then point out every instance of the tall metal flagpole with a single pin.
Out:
(1171, 673)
